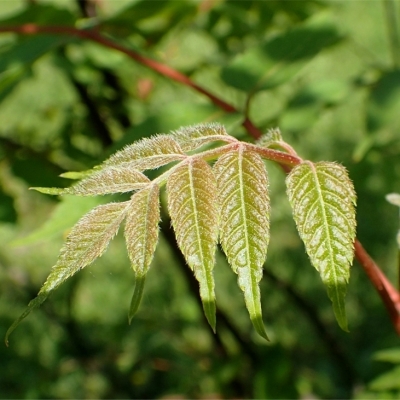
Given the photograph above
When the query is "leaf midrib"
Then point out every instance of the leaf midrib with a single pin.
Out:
(194, 207)
(244, 216)
(326, 228)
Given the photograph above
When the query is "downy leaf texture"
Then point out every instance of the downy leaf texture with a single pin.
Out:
(192, 137)
(148, 153)
(141, 234)
(244, 222)
(323, 201)
(118, 179)
(272, 137)
(192, 199)
(87, 240)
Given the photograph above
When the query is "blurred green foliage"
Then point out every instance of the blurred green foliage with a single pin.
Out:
(325, 72)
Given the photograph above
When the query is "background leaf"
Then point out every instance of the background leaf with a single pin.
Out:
(244, 222)
(279, 59)
(192, 199)
(322, 199)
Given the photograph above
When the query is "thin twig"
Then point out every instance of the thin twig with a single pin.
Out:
(162, 69)
(389, 295)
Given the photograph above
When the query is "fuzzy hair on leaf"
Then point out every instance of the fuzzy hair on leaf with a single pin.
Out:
(87, 240)
(192, 137)
(148, 153)
(192, 205)
(244, 222)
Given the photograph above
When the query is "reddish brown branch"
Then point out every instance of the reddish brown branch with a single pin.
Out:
(388, 293)
(162, 69)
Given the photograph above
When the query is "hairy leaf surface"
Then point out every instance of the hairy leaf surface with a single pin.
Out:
(270, 138)
(323, 199)
(109, 180)
(141, 234)
(244, 222)
(192, 200)
(87, 240)
(148, 153)
(192, 137)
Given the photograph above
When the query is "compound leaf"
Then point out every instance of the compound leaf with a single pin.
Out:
(192, 137)
(141, 234)
(323, 201)
(244, 222)
(192, 200)
(148, 153)
(87, 240)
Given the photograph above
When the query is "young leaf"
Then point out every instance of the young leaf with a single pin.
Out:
(244, 222)
(270, 138)
(109, 180)
(322, 198)
(118, 179)
(148, 153)
(141, 233)
(192, 200)
(192, 137)
(87, 240)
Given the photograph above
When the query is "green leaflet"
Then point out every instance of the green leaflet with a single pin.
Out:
(109, 180)
(87, 240)
(192, 137)
(148, 153)
(76, 174)
(141, 234)
(323, 199)
(192, 200)
(244, 222)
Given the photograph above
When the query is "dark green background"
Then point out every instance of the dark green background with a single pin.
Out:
(326, 72)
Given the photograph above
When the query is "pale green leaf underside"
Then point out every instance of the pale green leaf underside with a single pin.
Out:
(141, 234)
(192, 200)
(244, 222)
(119, 179)
(87, 240)
(192, 137)
(148, 153)
(323, 199)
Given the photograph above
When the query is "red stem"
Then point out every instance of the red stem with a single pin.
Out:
(389, 295)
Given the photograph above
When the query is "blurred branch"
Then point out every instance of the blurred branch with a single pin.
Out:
(331, 344)
(194, 288)
(162, 69)
(389, 295)
(88, 8)
(95, 117)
